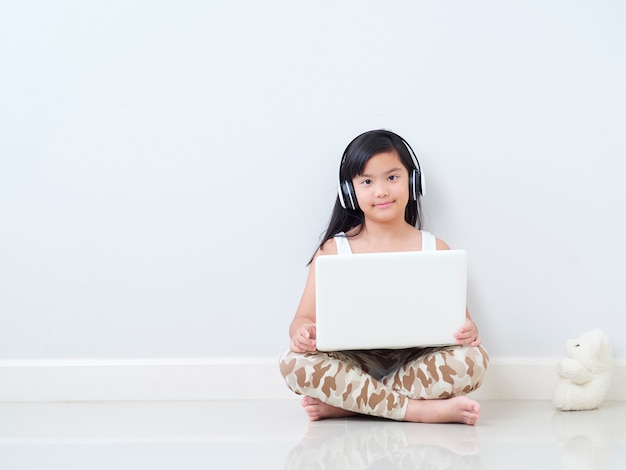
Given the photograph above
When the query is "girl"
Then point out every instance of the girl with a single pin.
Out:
(377, 209)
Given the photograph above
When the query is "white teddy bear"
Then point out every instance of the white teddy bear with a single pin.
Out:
(585, 374)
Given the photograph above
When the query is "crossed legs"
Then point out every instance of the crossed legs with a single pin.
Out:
(421, 385)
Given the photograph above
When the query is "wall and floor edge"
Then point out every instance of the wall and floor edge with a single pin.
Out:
(233, 379)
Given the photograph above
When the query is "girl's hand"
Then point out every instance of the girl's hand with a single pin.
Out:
(468, 334)
(303, 339)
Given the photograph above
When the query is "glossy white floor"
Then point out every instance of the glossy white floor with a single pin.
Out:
(277, 435)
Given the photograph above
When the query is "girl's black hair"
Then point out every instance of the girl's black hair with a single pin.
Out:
(355, 157)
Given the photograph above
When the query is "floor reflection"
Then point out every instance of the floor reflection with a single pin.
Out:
(363, 443)
(587, 437)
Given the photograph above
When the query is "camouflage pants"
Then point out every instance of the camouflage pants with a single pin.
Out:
(380, 382)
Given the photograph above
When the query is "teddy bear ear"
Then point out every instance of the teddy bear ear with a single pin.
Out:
(596, 332)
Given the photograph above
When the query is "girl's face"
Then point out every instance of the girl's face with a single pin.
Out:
(382, 190)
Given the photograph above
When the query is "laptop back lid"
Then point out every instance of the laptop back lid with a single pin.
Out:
(390, 300)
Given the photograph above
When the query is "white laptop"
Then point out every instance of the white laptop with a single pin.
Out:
(390, 300)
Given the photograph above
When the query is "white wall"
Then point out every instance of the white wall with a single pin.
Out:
(166, 168)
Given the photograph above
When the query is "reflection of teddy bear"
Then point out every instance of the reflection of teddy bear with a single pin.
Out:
(587, 438)
(585, 374)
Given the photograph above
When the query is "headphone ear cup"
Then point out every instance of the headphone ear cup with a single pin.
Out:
(347, 196)
(414, 186)
(342, 200)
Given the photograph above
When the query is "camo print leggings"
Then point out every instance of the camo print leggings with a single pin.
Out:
(380, 382)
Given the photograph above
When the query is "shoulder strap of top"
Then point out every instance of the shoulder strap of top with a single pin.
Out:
(343, 246)
(429, 242)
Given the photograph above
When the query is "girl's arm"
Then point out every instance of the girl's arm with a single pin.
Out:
(468, 333)
(302, 330)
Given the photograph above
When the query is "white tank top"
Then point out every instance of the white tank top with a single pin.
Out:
(429, 243)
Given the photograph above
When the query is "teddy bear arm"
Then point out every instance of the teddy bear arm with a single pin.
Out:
(573, 370)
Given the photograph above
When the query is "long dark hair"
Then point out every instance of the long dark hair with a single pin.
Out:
(355, 157)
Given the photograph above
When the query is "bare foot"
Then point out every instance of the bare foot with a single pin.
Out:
(317, 410)
(452, 410)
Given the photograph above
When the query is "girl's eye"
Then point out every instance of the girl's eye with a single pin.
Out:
(366, 182)
(393, 177)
